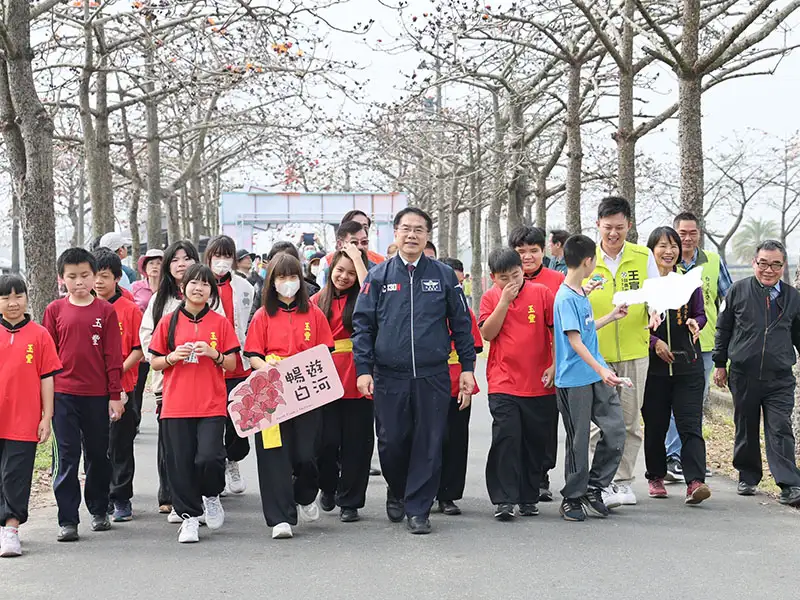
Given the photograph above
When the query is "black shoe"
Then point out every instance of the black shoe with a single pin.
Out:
(545, 495)
(349, 515)
(100, 523)
(593, 503)
(327, 501)
(745, 489)
(373, 472)
(395, 509)
(419, 525)
(790, 496)
(449, 507)
(528, 510)
(110, 509)
(571, 509)
(68, 533)
(504, 512)
(674, 470)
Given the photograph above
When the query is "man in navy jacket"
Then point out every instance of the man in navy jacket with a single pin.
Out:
(402, 324)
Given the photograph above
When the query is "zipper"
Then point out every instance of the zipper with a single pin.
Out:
(766, 331)
(413, 355)
(669, 342)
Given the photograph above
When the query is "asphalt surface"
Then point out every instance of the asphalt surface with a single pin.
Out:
(729, 547)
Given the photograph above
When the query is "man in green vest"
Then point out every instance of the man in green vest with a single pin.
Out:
(716, 283)
(625, 346)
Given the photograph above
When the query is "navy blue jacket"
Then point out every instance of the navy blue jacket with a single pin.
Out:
(400, 322)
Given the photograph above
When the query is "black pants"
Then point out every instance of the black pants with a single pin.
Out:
(412, 419)
(164, 489)
(138, 391)
(120, 452)
(520, 428)
(16, 474)
(775, 398)
(682, 395)
(550, 448)
(288, 475)
(80, 422)
(344, 457)
(236, 448)
(196, 461)
(454, 453)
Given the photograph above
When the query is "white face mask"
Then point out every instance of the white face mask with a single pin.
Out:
(315, 269)
(221, 266)
(288, 289)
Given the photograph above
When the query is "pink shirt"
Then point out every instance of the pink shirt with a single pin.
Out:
(142, 293)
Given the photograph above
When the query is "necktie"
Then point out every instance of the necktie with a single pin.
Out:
(772, 296)
(410, 268)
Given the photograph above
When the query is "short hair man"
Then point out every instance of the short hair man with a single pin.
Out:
(758, 331)
(347, 232)
(119, 245)
(558, 237)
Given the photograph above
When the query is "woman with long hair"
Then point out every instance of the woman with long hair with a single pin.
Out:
(348, 433)
(192, 347)
(178, 257)
(675, 382)
(236, 300)
(285, 325)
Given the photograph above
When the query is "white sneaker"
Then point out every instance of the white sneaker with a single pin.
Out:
(611, 497)
(282, 531)
(174, 518)
(234, 482)
(214, 513)
(308, 513)
(9, 542)
(189, 532)
(626, 495)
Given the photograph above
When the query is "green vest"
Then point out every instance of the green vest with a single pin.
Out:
(627, 338)
(710, 263)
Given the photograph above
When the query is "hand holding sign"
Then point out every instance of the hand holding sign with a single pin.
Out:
(664, 293)
(282, 391)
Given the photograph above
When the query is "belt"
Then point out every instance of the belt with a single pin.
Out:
(343, 346)
(453, 359)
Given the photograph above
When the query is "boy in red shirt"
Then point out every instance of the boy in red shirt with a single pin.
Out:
(87, 392)
(516, 316)
(123, 432)
(456, 440)
(529, 243)
(28, 362)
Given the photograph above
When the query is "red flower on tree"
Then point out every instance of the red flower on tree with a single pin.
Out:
(259, 398)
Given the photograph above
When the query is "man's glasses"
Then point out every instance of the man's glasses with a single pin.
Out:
(772, 266)
(405, 229)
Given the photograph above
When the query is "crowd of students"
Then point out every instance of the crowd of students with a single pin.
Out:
(198, 329)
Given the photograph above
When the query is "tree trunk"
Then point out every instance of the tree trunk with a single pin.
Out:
(81, 227)
(574, 150)
(541, 202)
(34, 184)
(442, 213)
(626, 142)
(496, 203)
(690, 126)
(452, 234)
(14, 232)
(476, 240)
(796, 411)
(15, 149)
(154, 197)
(196, 209)
(133, 219)
(515, 186)
(173, 220)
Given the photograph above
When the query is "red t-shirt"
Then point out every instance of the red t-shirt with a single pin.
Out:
(342, 356)
(130, 320)
(195, 390)
(226, 297)
(522, 351)
(549, 278)
(89, 346)
(287, 333)
(126, 294)
(455, 366)
(27, 355)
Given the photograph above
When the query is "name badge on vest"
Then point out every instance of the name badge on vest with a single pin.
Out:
(431, 285)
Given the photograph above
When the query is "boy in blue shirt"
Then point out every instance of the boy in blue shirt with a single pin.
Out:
(586, 388)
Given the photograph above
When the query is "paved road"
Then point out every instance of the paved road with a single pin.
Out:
(730, 547)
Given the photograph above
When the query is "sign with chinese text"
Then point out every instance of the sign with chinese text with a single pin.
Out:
(272, 395)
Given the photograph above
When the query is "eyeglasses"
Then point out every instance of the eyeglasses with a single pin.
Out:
(772, 266)
(405, 229)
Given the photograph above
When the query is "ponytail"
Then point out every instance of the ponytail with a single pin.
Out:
(173, 324)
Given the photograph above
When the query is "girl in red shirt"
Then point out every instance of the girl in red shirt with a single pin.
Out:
(286, 324)
(236, 300)
(28, 361)
(348, 432)
(192, 346)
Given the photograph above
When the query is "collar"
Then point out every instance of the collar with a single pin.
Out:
(691, 263)
(607, 257)
(12, 328)
(224, 279)
(287, 307)
(533, 275)
(405, 262)
(776, 287)
(117, 295)
(193, 318)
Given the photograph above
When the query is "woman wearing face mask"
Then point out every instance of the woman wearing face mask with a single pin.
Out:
(348, 433)
(236, 300)
(286, 324)
(177, 259)
(675, 382)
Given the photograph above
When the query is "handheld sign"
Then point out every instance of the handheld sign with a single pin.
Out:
(663, 293)
(272, 395)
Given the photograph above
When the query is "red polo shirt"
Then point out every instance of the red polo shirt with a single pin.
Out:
(455, 367)
(549, 278)
(226, 297)
(27, 355)
(130, 320)
(287, 332)
(522, 351)
(343, 352)
(195, 390)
